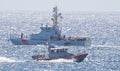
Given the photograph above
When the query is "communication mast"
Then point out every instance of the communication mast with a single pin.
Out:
(55, 16)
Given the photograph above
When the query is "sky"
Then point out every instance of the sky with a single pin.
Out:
(65, 5)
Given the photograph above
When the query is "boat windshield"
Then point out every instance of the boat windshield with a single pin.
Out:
(58, 50)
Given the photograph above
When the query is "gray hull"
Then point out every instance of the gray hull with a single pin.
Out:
(75, 58)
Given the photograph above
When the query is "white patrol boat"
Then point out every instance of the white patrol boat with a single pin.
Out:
(51, 35)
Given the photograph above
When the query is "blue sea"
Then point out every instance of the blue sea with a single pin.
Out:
(102, 28)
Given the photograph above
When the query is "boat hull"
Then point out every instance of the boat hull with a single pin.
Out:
(76, 58)
(80, 57)
(56, 42)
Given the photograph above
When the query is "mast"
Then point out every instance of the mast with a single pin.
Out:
(55, 16)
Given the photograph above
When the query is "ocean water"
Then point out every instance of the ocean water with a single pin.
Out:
(103, 28)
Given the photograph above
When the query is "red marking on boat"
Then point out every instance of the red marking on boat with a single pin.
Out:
(41, 56)
(78, 55)
(25, 42)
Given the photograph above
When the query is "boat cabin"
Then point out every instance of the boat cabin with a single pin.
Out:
(55, 53)
(57, 50)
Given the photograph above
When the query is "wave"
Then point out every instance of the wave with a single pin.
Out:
(56, 60)
(5, 59)
(105, 46)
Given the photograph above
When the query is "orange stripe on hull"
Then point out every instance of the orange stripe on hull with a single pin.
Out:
(76, 56)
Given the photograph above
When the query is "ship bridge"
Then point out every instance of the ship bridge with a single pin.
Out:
(46, 33)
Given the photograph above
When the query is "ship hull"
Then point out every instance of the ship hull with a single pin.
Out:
(56, 42)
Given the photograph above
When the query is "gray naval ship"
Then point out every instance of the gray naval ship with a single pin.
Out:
(52, 35)
(53, 53)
